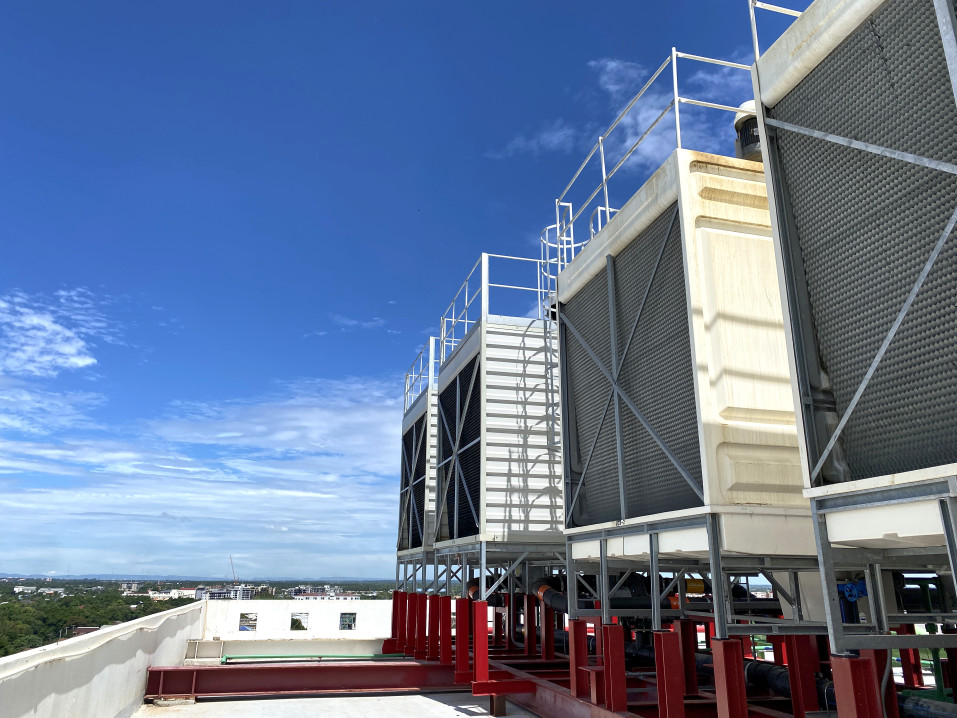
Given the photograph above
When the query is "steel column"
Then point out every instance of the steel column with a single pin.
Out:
(411, 614)
(399, 604)
(463, 615)
(432, 652)
(445, 630)
(803, 664)
(729, 683)
(530, 630)
(480, 672)
(421, 627)
(910, 660)
(688, 642)
(855, 687)
(879, 661)
(717, 578)
(616, 693)
(670, 675)
(577, 656)
(548, 633)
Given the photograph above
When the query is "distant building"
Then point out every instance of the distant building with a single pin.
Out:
(184, 593)
(326, 597)
(220, 593)
(24, 589)
(129, 586)
(160, 595)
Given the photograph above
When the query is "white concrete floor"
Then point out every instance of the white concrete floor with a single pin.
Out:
(434, 705)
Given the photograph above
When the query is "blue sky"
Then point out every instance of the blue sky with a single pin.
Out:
(228, 227)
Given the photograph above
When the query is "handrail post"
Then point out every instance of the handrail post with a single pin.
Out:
(442, 342)
(484, 286)
(604, 178)
(674, 81)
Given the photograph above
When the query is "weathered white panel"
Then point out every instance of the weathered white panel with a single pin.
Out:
(523, 485)
(101, 674)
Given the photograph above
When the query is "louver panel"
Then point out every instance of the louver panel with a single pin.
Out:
(862, 227)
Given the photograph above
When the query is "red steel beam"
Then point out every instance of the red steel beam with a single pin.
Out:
(803, 664)
(879, 661)
(463, 609)
(432, 654)
(577, 656)
(616, 685)
(421, 627)
(687, 631)
(411, 613)
(729, 685)
(480, 671)
(530, 628)
(445, 630)
(670, 674)
(298, 679)
(548, 633)
(855, 687)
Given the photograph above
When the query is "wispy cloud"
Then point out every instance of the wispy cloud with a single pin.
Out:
(618, 81)
(350, 323)
(41, 336)
(556, 136)
(301, 480)
(28, 409)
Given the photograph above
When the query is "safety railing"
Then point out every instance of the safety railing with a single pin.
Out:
(421, 375)
(758, 5)
(559, 245)
(519, 292)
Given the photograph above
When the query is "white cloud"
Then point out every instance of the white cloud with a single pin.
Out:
(41, 336)
(350, 323)
(302, 481)
(556, 136)
(29, 409)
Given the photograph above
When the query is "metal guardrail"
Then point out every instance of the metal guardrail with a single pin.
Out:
(422, 373)
(559, 245)
(758, 5)
(471, 303)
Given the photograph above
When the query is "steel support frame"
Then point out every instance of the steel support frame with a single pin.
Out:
(876, 635)
(298, 679)
(720, 611)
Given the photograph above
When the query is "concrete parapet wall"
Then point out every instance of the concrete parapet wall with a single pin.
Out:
(100, 675)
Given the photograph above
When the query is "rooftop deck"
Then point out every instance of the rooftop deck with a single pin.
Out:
(435, 705)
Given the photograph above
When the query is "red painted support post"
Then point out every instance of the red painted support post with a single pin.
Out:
(803, 664)
(855, 687)
(910, 660)
(498, 627)
(411, 615)
(445, 630)
(879, 660)
(687, 631)
(548, 633)
(463, 624)
(577, 656)
(616, 684)
(670, 673)
(777, 645)
(729, 685)
(432, 654)
(395, 614)
(530, 629)
(480, 641)
(398, 620)
(421, 628)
